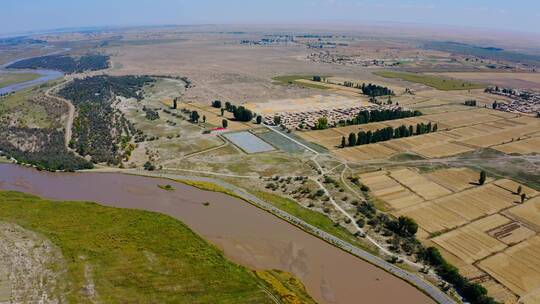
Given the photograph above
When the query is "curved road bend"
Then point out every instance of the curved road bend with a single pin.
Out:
(432, 291)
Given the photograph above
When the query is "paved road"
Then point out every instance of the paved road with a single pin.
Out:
(434, 292)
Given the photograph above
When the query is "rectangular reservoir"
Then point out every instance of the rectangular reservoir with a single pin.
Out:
(248, 142)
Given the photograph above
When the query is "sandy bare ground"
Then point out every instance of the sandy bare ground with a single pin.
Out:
(220, 68)
(25, 273)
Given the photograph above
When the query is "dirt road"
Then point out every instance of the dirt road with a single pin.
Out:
(71, 112)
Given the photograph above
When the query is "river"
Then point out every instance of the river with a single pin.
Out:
(246, 234)
(45, 75)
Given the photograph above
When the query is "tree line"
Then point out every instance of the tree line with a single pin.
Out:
(366, 116)
(369, 89)
(48, 152)
(64, 63)
(472, 292)
(240, 113)
(99, 129)
(384, 134)
(470, 103)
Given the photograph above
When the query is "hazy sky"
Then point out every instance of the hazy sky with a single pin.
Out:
(31, 15)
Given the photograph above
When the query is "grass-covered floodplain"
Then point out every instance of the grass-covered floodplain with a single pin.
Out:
(11, 78)
(132, 256)
(439, 83)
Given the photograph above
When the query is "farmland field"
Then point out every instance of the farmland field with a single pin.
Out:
(439, 83)
(419, 184)
(310, 103)
(524, 146)
(516, 267)
(458, 132)
(528, 213)
(482, 230)
(389, 190)
(454, 179)
(479, 243)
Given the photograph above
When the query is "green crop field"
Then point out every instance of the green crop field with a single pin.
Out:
(135, 256)
(439, 83)
(292, 79)
(12, 78)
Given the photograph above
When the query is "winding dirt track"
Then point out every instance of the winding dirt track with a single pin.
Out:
(71, 113)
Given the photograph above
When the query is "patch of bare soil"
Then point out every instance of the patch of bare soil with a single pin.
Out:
(27, 261)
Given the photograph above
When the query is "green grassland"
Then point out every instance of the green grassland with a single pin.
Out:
(439, 83)
(292, 79)
(289, 289)
(19, 108)
(135, 256)
(12, 78)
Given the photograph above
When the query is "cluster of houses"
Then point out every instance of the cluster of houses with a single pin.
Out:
(525, 102)
(273, 40)
(328, 57)
(306, 120)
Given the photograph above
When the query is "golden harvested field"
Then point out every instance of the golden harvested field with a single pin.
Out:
(517, 268)
(527, 213)
(419, 184)
(524, 146)
(470, 243)
(387, 189)
(482, 230)
(512, 186)
(500, 293)
(433, 217)
(365, 152)
(459, 208)
(479, 201)
(454, 179)
(442, 150)
(312, 103)
(499, 137)
(511, 233)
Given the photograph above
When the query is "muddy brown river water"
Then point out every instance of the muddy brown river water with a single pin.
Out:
(247, 234)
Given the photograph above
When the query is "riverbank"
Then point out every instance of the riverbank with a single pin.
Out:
(367, 254)
(123, 255)
(43, 75)
(247, 234)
